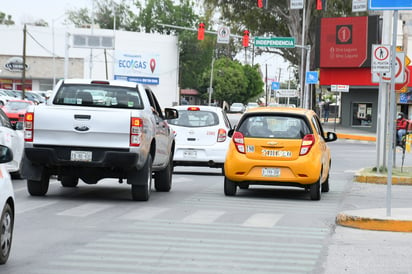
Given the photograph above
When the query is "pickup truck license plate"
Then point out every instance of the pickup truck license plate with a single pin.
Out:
(81, 156)
(270, 172)
(190, 154)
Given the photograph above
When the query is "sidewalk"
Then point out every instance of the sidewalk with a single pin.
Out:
(397, 219)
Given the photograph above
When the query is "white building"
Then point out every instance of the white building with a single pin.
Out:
(55, 53)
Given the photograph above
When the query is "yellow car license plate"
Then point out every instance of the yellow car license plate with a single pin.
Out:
(270, 172)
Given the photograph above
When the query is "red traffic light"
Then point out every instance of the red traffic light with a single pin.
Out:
(260, 3)
(201, 31)
(246, 38)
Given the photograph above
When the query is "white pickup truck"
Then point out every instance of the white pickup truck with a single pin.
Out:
(95, 129)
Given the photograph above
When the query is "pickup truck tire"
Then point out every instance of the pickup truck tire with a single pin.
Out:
(39, 188)
(163, 178)
(69, 181)
(141, 181)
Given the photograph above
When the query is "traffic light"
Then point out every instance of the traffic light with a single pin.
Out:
(260, 3)
(246, 38)
(201, 31)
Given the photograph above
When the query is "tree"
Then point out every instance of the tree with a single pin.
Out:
(278, 20)
(104, 15)
(6, 19)
(233, 82)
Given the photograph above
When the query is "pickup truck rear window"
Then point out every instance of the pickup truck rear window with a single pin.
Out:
(98, 96)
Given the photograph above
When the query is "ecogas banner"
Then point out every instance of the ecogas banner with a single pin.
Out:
(139, 68)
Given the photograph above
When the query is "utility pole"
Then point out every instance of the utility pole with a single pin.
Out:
(23, 80)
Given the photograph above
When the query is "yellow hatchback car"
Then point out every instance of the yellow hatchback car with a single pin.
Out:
(280, 147)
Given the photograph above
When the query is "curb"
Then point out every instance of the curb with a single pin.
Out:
(377, 220)
(382, 179)
(356, 137)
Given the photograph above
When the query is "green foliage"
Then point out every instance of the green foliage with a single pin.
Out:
(6, 19)
(105, 11)
(233, 82)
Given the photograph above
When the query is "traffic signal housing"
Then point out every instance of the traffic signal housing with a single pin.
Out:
(201, 31)
(245, 38)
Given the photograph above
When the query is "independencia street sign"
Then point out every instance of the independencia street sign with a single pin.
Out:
(277, 42)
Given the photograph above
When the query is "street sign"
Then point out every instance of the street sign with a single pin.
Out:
(339, 88)
(390, 5)
(296, 4)
(312, 77)
(277, 42)
(287, 93)
(275, 85)
(381, 58)
(223, 35)
(399, 71)
(359, 5)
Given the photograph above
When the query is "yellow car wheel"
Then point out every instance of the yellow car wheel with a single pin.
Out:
(230, 187)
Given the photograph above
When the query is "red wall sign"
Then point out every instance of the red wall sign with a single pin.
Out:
(343, 42)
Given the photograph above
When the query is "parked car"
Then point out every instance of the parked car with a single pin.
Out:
(15, 109)
(12, 136)
(237, 107)
(5, 97)
(7, 205)
(279, 147)
(201, 136)
(252, 105)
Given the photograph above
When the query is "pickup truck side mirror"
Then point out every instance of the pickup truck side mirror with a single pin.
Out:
(171, 113)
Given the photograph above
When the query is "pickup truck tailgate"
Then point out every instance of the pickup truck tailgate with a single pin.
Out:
(80, 126)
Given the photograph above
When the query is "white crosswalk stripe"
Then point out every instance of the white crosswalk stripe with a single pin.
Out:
(262, 220)
(187, 249)
(84, 210)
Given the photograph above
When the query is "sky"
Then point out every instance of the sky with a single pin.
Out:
(33, 10)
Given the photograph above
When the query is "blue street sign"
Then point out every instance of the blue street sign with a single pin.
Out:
(390, 4)
(275, 85)
(403, 98)
(312, 77)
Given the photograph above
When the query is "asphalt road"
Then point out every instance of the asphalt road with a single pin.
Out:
(196, 229)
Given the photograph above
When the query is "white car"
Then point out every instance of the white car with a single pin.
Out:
(201, 134)
(6, 205)
(13, 137)
(237, 107)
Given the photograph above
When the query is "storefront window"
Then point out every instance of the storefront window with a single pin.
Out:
(362, 114)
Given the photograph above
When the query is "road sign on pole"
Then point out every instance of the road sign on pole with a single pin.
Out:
(390, 5)
(277, 42)
(381, 58)
(223, 35)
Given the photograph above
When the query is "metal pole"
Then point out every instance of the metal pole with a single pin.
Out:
(302, 57)
(392, 109)
(307, 96)
(211, 81)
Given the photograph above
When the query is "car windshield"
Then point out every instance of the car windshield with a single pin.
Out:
(98, 96)
(271, 126)
(197, 118)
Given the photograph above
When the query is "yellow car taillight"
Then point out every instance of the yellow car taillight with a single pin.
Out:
(239, 141)
(136, 130)
(221, 135)
(307, 143)
(28, 126)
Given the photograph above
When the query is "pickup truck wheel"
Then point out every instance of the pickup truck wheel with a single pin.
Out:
(141, 181)
(69, 181)
(163, 178)
(39, 188)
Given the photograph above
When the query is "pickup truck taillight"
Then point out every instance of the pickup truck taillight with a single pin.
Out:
(136, 126)
(28, 126)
